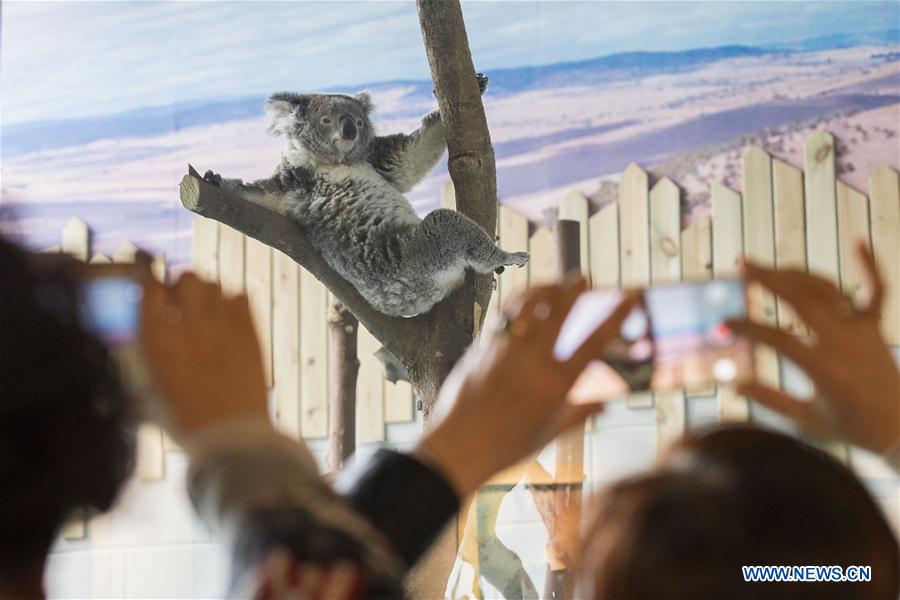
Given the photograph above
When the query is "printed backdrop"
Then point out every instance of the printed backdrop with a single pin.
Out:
(104, 104)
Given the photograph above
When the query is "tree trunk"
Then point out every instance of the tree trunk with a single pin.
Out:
(343, 328)
(456, 321)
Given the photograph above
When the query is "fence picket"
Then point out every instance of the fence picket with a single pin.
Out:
(369, 391)
(286, 342)
(822, 227)
(259, 292)
(313, 357)
(604, 246)
(398, 402)
(76, 239)
(634, 245)
(232, 259)
(853, 226)
(790, 234)
(696, 265)
(513, 238)
(665, 267)
(728, 245)
(205, 248)
(884, 202)
(759, 246)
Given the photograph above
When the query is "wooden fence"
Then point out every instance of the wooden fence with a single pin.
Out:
(783, 216)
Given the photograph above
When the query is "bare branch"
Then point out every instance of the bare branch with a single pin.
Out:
(281, 233)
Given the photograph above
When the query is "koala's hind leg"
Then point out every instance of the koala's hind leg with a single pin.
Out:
(447, 241)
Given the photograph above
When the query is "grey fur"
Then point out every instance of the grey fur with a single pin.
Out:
(347, 194)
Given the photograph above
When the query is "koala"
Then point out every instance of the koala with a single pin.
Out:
(344, 185)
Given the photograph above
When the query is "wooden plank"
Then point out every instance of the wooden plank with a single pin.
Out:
(728, 245)
(696, 251)
(398, 402)
(542, 261)
(604, 246)
(759, 246)
(696, 265)
(853, 226)
(513, 238)
(790, 234)
(258, 280)
(125, 253)
(665, 232)
(76, 239)
(574, 207)
(231, 260)
(822, 256)
(821, 211)
(205, 248)
(369, 391)
(286, 342)
(665, 267)
(313, 357)
(634, 244)
(884, 203)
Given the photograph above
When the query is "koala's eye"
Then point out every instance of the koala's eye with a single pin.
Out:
(359, 123)
(326, 120)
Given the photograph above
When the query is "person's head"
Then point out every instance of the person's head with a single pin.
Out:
(65, 438)
(730, 497)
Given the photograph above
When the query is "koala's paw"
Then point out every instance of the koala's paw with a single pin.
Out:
(482, 81)
(518, 259)
(213, 178)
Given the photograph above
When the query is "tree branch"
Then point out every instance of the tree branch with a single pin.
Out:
(281, 233)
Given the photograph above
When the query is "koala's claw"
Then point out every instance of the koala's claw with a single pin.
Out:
(482, 81)
(518, 259)
(213, 178)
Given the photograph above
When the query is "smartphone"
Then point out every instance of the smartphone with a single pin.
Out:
(109, 300)
(675, 338)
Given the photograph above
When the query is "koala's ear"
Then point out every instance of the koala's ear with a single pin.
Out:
(283, 110)
(366, 101)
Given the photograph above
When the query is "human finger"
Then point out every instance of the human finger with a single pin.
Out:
(570, 292)
(194, 296)
(814, 298)
(778, 339)
(525, 313)
(593, 347)
(873, 275)
(803, 412)
(154, 302)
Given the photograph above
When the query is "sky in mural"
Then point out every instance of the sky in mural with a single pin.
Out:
(103, 103)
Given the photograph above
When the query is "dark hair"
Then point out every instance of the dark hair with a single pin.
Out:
(734, 496)
(65, 438)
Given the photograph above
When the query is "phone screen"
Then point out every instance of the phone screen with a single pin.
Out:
(675, 338)
(111, 306)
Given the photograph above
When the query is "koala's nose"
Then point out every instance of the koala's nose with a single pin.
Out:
(348, 127)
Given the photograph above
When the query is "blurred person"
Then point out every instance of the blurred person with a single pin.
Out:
(66, 437)
(292, 534)
(731, 497)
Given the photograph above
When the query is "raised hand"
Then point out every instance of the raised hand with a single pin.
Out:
(856, 379)
(507, 399)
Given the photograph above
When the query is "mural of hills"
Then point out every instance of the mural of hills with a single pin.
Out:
(572, 125)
